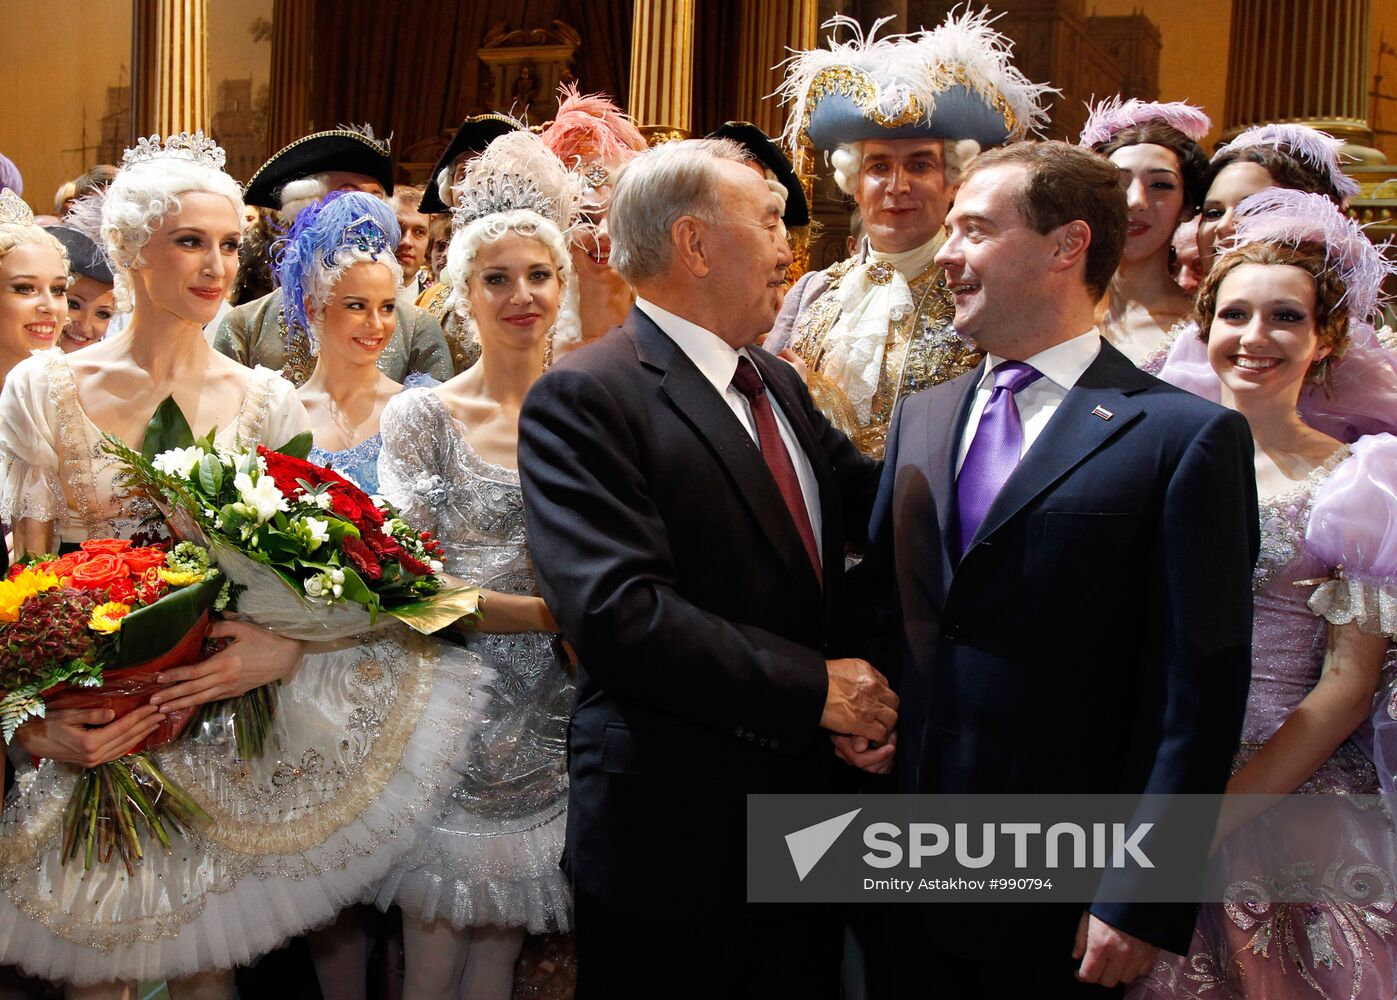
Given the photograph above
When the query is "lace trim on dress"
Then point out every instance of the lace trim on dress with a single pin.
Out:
(75, 449)
(1344, 601)
(1154, 362)
(1280, 516)
(252, 414)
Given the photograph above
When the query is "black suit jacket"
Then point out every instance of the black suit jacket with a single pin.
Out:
(1096, 635)
(667, 555)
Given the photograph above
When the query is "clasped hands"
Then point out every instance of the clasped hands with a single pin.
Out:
(88, 737)
(861, 714)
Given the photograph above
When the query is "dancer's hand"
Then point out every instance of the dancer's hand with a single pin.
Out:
(254, 657)
(87, 737)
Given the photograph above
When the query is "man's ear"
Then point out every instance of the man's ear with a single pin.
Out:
(1073, 239)
(688, 238)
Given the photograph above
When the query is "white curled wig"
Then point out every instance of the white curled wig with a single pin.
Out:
(144, 194)
(847, 161)
(516, 186)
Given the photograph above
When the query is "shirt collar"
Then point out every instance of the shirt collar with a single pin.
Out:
(1062, 364)
(712, 355)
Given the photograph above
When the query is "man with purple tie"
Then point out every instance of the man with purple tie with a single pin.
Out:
(1066, 543)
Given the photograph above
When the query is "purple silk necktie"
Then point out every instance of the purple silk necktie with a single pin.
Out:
(994, 451)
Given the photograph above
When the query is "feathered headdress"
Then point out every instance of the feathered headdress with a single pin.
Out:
(1318, 150)
(1292, 218)
(328, 238)
(590, 128)
(517, 172)
(1112, 115)
(953, 82)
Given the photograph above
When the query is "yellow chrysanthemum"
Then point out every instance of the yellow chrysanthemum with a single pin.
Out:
(107, 617)
(177, 579)
(25, 585)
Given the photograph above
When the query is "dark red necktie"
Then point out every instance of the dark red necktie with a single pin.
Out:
(747, 381)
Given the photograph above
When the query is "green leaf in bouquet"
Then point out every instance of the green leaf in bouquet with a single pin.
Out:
(356, 590)
(298, 446)
(166, 431)
(18, 707)
(209, 474)
(434, 613)
(151, 631)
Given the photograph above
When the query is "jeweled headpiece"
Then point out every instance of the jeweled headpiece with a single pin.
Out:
(517, 172)
(13, 210)
(1317, 150)
(196, 148)
(953, 82)
(1292, 218)
(328, 238)
(1112, 115)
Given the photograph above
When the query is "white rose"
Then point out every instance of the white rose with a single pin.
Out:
(315, 587)
(179, 462)
(436, 565)
(261, 496)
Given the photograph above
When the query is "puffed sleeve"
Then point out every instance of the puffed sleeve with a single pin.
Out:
(29, 462)
(415, 425)
(1353, 529)
(1360, 396)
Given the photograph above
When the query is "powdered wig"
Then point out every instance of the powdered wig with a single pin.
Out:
(303, 192)
(137, 203)
(515, 186)
(329, 238)
(17, 228)
(654, 191)
(847, 161)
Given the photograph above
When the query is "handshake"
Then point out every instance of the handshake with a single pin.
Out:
(861, 714)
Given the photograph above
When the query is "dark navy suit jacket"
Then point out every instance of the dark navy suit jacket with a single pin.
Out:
(1096, 635)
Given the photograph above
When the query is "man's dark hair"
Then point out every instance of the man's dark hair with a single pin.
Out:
(1065, 183)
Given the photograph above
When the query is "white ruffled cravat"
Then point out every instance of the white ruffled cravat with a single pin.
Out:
(872, 296)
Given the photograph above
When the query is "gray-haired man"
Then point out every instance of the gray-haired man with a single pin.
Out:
(687, 509)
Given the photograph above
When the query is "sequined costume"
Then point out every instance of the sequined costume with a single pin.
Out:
(922, 349)
(1345, 946)
(464, 347)
(492, 858)
(364, 735)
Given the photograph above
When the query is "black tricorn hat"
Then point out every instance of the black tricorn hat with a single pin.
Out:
(338, 149)
(769, 155)
(475, 133)
(84, 255)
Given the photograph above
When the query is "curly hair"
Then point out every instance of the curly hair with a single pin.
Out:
(1193, 164)
(466, 244)
(1331, 308)
(137, 203)
(1286, 171)
(14, 235)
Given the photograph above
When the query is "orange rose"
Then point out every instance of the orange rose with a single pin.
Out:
(108, 545)
(140, 560)
(64, 565)
(99, 572)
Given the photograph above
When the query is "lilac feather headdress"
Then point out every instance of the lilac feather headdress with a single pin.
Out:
(1318, 150)
(1112, 115)
(1292, 218)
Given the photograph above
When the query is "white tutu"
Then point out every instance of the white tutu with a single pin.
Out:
(367, 738)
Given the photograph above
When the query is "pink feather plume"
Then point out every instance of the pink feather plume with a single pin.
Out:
(1111, 115)
(591, 126)
(1319, 150)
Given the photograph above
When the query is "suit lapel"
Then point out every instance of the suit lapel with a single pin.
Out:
(945, 420)
(704, 409)
(1096, 409)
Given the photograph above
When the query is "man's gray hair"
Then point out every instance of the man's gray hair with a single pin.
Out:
(654, 191)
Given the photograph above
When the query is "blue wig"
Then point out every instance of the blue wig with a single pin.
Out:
(346, 228)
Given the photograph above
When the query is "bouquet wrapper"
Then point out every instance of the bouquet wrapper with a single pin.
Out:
(126, 689)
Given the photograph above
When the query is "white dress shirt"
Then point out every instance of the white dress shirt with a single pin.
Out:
(1062, 365)
(717, 362)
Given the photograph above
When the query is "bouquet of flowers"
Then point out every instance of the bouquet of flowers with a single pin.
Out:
(91, 629)
(309, 554)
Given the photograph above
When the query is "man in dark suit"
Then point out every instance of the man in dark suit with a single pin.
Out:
(687, 512)
(1069, 543)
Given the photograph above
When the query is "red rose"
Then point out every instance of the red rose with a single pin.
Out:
(362, 557)
(346, 499)
(99, 572)
(138, 561)
(110, 546)
(122, 590)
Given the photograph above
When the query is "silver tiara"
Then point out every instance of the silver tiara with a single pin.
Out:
(196, 148)
(13, 210)
(492, 194)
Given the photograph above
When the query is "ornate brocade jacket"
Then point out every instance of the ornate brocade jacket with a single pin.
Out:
(922, 349)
